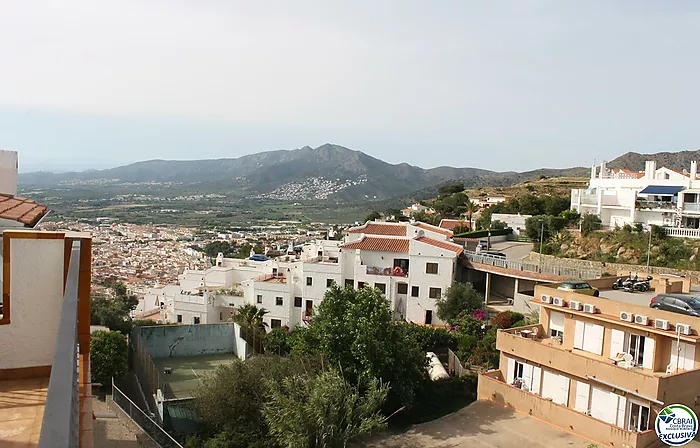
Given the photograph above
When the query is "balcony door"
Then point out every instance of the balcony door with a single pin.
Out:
(637, 417)
(640, 347)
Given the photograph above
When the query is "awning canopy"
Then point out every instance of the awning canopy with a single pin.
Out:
(660, 190)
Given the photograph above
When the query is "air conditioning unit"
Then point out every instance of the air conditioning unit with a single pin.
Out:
(626, 316)
(641, 320)
(574, 305)
(545, 299)
(558, 301)
(661, 324)
(683, 329)
(589, 308)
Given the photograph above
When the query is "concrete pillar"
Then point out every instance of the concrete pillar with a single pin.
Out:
(515, 289)
(488, 288)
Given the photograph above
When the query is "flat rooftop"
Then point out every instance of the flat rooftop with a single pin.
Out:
(188, 371)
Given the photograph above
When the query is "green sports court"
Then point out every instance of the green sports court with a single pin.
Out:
(187, 372)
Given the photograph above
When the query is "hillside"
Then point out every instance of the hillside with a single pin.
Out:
(676, 160)
(329, 171)
(557, 186)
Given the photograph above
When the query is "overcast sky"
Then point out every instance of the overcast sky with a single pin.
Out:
(503, 85)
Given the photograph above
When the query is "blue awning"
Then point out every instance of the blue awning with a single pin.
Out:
(660, 190)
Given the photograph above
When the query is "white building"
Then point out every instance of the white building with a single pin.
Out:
(659, 196)
(413, 263)
(490, 199)
(15, 212)
(514, 221)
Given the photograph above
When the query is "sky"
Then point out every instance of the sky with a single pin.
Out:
(501, 85)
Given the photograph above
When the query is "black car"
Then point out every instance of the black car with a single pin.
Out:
(677, 303)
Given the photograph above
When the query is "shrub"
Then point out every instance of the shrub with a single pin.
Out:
(506, 319)
(479, 314)
(108, 357)
(431, 339)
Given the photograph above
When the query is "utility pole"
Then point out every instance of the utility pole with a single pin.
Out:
(649, 249)
(541, 241)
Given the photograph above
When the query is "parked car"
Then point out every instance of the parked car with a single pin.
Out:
(493, 253)
(677, 303)
(580, 287)
(258, 258)
(484, 244)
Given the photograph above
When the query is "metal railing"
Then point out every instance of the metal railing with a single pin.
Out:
(539, 268)
(142, 420)
(375, 270)
(61, 423)
(144, 368)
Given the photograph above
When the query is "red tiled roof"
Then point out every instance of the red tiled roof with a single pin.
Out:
(432, 228)
(379, 228)
(451, 224)
(379, 244)
(22, 210)
(441, 244)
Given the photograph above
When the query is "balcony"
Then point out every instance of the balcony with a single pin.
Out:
(682, 232)
(44, 373)
(492, 387)
(531, 344)
(691, 207)
(656, 205)
(388, 271)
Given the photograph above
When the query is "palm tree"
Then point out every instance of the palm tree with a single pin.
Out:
(250, 316)
(471, 208)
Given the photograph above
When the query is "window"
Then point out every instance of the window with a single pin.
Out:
(431, 268)
(279, 301)
(402, 288)
(434, 293)
(428, 317)
(221, 316)
(401, 263)
(381, 287)
(360, 285)
(329, 282)
(179, 318)
(349, 283)
(309, 281)
(557, 334)
(414, 291)
(519, 366)
(588, 337)
(259, 298)
(195, 320)
(634, 345)
(638, 419)
(275, 323)
(556, 325)
(297, 302)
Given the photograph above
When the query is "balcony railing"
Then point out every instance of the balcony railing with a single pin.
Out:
(394, 272)
(61, 422)
(589, 200)
(665, 205)
(691, 207)
(681, 232)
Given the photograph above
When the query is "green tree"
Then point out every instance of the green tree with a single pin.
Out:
(431, 339)
(323, 411)
(250, 316)
(590, 223)
(355, 329)
(498, 225)
(114, 312)
(471, 208)
(372, 216)
(451, 189)
(215, 247)
(277, 342)
(459, 298)
(433, 218)
(108, 357)
(534, 226)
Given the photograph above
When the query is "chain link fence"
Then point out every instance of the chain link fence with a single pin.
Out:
(142, 420)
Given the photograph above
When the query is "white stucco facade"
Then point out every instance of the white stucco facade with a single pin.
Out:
(8, 172)
(36, 297)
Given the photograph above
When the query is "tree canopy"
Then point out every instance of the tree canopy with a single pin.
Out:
(108, 357)
(458, 299)
(113, 312)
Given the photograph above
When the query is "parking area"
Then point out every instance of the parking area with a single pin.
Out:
(636, 298)
(514, 250)
(482, 425)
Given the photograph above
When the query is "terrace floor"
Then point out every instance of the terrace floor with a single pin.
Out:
(22, 411)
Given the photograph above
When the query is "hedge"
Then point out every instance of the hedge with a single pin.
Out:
(483, 233)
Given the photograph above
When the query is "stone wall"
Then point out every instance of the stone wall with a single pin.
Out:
(613, 268)
(188, 340)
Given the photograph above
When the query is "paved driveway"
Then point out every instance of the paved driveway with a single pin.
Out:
(481, 424)
(514, 250)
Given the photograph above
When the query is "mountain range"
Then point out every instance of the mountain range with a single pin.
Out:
(675, 160)
(341, 173)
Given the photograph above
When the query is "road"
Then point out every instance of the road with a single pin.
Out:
(514, 250)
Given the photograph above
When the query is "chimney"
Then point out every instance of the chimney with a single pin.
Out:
(8, 172)
(693, 170)
(593, 171)
(650, 170)
(603, 170)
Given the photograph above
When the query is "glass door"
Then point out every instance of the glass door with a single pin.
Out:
(635, 347)
(638, 417)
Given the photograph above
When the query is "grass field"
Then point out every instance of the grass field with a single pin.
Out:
(187, 372)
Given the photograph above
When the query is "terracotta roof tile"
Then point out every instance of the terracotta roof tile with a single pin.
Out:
(441, 244)
(379, 244)
(379, 228)
(451, 224)
(23, 210)
(432, 228)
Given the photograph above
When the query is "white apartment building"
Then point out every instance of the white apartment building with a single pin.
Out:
(413, 263)
(659, 196)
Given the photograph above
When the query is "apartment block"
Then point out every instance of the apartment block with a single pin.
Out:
(413, 264)
(659, 196)
(599, 368)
